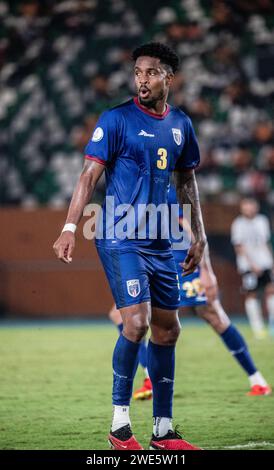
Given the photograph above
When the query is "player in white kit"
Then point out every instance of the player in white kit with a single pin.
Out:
(251, 236)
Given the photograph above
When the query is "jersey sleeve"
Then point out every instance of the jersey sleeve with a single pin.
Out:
(103, 144)
(190, 157)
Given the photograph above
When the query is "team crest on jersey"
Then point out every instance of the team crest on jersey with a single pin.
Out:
(133, 287)
(177, 136)
(98, 134)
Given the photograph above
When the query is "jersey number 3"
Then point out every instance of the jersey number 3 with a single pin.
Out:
(162, 162)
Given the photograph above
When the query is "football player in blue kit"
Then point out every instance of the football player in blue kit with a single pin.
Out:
(199, 292)
(139, 144)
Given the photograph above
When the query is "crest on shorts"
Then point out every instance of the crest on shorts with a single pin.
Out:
(133, 287)
(177, 136)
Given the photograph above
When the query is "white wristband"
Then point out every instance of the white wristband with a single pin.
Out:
(69, 228)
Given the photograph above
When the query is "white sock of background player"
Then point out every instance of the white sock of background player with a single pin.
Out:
(255, 316)
(270, 311)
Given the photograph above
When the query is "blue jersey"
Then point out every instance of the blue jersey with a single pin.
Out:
(178, 212)
(180, 240)
(139, 149)
(192, 293)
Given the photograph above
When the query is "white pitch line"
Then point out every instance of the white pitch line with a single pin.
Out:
(249, 445)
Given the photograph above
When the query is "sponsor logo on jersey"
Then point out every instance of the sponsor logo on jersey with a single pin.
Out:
(98, 134)
(177, 136)
(133, 287)
(145, 134)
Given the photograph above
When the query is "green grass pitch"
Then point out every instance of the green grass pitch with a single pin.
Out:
(56, 390)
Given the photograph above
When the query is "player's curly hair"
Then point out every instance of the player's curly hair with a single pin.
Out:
(157, 49)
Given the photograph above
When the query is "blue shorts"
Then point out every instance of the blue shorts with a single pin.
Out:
(192, 293)
(137, 276)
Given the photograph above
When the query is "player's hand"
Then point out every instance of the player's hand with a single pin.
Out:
(193, 257)
(64, 246)
(210, 285)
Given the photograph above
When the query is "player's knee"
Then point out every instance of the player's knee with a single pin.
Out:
(115, 315)
(215, 317)
(136, 330)
(215, 322)
(140, 332)
(110, 315)
(250, 295)
(174, 334)
(210, 316)
(170, 336)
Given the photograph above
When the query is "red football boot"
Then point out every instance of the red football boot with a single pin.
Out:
(171, 441)
(259, 390)
(123, 439)
(145, 392)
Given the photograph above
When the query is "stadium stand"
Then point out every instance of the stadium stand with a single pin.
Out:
(62, 63)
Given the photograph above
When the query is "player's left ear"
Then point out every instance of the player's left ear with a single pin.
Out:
(169, 78)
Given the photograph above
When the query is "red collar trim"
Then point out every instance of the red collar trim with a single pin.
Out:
(146, 111)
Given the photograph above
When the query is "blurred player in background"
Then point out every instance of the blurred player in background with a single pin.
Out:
(139, 143)
(251, 237)
(199, 292)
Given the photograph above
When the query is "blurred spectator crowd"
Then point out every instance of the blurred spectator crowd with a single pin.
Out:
(64, 62)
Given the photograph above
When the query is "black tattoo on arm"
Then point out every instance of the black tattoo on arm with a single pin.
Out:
(187, 193)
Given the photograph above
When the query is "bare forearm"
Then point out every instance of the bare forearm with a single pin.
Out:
(187, 193)
(65, 243)
(84, 190)
(81, 196)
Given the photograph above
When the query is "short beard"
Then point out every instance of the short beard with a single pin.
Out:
(152, 102)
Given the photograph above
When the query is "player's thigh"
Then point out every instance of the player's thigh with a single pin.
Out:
(127, 276)
(164, 287)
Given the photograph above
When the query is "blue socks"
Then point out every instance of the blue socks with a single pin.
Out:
(142, 351)
(124, 364)
(143, 354)
(238, 348)
(160, 361)
(161, 367)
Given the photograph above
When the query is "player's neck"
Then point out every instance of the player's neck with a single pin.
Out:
(159, 108)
